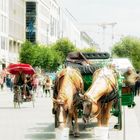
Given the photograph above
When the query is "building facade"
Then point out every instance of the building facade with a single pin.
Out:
(16, 34)
(4, 10)
(69, 29)
(39, 21)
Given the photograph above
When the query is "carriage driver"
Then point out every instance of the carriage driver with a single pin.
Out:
(28, 82)
(19, 81)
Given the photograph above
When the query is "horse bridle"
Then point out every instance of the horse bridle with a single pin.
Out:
(89, 99)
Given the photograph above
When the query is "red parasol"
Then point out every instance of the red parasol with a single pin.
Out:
(20, 67)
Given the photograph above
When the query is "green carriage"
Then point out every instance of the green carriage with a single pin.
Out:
(125, 94)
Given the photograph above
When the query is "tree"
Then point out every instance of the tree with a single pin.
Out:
(63, 46)
(91, 49)
(26, 53)
(41, 56)
(128, 47)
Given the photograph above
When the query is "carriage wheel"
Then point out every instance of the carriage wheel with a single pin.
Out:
(120, 114)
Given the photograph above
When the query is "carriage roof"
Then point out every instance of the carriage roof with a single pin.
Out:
(96, 60)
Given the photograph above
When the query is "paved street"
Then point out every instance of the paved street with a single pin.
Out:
(28, 123)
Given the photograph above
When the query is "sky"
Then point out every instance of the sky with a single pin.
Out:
(125, 13)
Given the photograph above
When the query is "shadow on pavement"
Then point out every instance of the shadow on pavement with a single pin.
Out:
(42, 131)
(46, 131)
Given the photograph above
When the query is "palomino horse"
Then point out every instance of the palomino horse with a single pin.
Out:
(69, 84)
(97, 100)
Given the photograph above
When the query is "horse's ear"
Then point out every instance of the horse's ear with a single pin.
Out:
(54, 100)
(81, 96)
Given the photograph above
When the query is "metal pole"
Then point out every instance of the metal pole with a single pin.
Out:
(124, 131)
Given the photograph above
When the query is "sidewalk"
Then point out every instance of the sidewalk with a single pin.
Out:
(130, 120)
(132, 129)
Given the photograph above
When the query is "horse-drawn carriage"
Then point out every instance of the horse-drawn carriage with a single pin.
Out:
(21, 83)
(96, 92)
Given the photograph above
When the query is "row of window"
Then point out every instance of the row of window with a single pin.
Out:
(14, 46)
(54, 26)
(4, 5)
(3, 23)
(3, 43)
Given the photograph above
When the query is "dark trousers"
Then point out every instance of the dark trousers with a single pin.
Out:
(47, 91)
(137, 87)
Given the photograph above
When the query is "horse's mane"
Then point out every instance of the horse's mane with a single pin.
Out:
(97, 73)
(68, 71)
(73, 74)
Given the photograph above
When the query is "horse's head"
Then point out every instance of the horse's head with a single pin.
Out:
(103, 83)
(61, 111)
(90, 108)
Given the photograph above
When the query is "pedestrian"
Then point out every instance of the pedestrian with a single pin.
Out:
(12, 82)
(8, 81)
(48, 84)
(1, 81)
(43, 84)
(35, 83)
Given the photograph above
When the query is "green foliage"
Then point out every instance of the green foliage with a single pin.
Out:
(128, 47)
(26, 53)
(41, 56)
(63, 46)
(87, 50)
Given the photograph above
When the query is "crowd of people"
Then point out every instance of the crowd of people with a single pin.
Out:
(35, 84)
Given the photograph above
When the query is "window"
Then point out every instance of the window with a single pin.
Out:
(3, 43)
(31, 21)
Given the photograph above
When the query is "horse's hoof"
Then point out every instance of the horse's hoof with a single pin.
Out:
(70, 132)
(76, 135)
(116, 126)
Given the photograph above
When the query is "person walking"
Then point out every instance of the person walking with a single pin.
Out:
(1, 81)
(8, 81)
(48, 84)
(35, 83)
